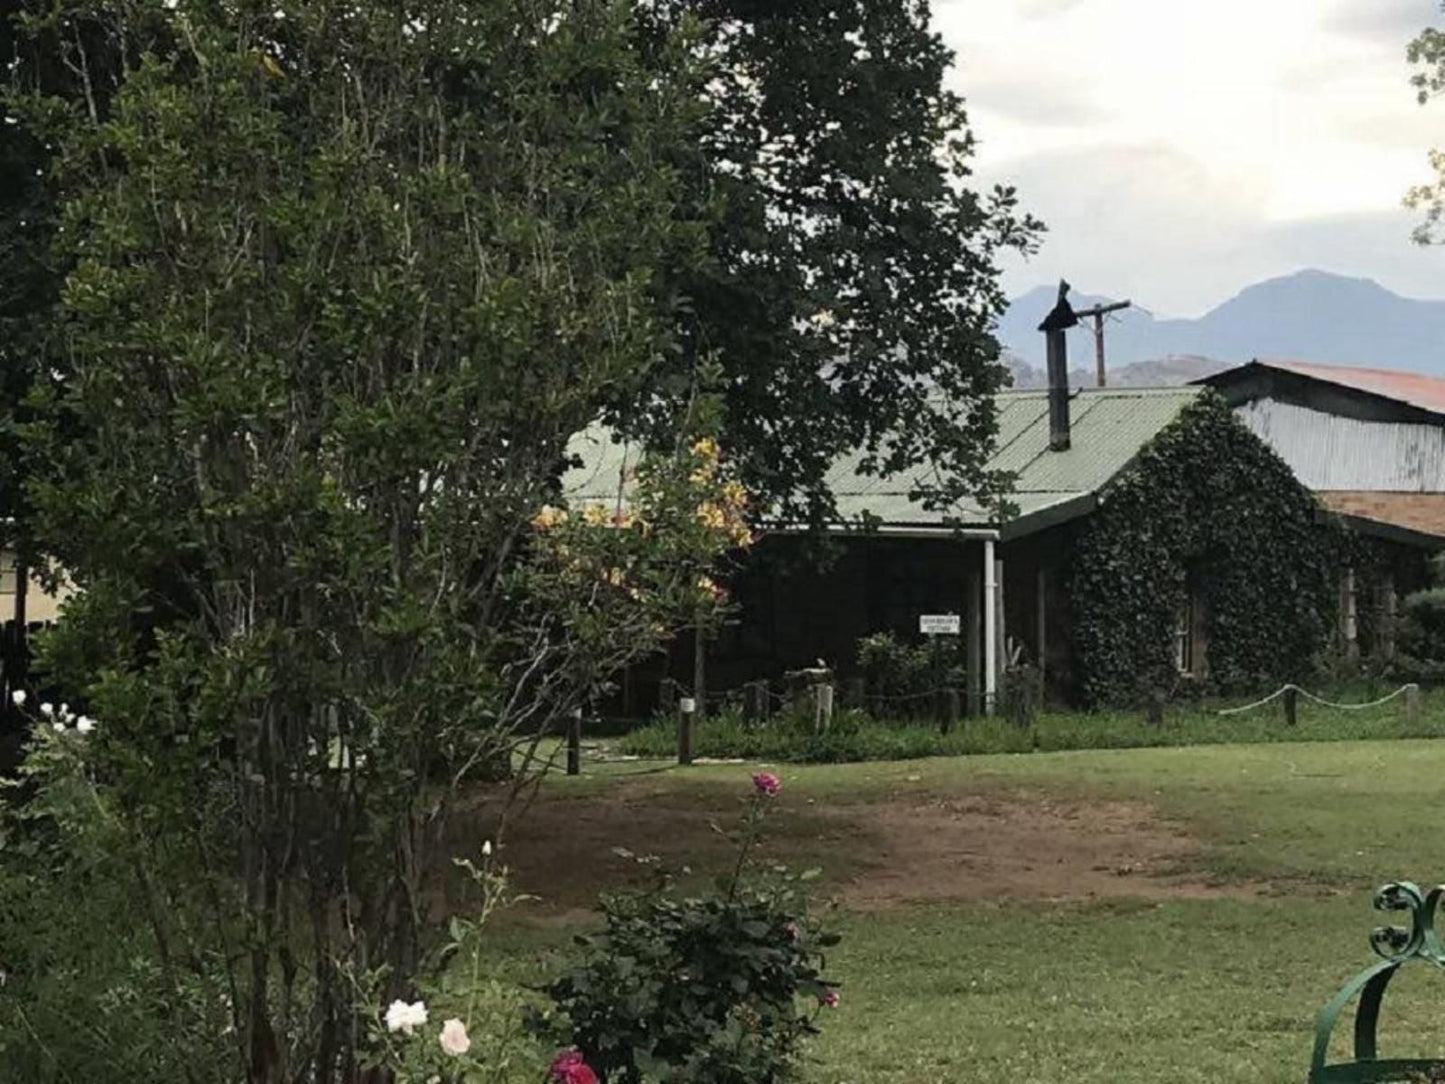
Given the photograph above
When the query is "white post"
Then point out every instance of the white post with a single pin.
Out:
(990, 629)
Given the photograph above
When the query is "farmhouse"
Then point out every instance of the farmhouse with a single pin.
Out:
(1370, 443)
(1115, 571)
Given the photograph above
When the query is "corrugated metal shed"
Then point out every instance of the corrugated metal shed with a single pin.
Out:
(1416, 389)
(1330, 452)
(1109, 425)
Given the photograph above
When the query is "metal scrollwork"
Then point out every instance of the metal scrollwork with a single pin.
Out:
(1396, 945)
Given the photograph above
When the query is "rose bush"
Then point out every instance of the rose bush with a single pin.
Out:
(723, 988)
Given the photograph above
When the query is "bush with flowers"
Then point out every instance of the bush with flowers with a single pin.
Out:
(723, 988)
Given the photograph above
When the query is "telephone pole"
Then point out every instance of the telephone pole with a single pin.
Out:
(1098, 312)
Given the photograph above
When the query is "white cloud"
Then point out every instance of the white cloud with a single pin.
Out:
(1202, 141)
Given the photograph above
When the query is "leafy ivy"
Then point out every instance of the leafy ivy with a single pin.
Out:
(1208, 509)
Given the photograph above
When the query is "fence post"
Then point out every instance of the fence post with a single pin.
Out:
(1291, 706)
(687, 713)
(822, 707)
(1154, 709)
(1412, 703)
(952, 707)
(752, 703)
(574, 743)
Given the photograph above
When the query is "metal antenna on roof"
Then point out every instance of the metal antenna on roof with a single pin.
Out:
(1098, 312)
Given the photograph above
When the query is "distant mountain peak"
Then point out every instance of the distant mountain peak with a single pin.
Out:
(1310, 314)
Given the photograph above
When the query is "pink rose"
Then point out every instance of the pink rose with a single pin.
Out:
(791, 929)
(830, 999)
(569, 1067)
(767, 783)
(454, 1038)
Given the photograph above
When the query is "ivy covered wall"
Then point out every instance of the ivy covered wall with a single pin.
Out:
(1207, 509)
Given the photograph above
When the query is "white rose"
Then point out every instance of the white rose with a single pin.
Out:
(19, 697)
(405, 1018)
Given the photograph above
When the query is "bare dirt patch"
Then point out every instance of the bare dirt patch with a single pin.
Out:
(1014, 846)
(1017, 846)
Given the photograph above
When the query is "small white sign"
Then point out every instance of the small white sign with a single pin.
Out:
(938, 624)
(687, 705)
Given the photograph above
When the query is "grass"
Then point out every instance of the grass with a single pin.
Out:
(856, 738)
(1123, 991)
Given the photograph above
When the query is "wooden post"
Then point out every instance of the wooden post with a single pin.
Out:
(574, 743)
(1154, 709)
(687, 713)
(822, 707)
(752, 704)
(1412, 703)
(699, 666)
(952, 703)
(1291, 706)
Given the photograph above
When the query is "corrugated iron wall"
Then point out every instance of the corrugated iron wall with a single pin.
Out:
(1328, 452)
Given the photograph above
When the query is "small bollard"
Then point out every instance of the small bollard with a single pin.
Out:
(823, 708)
(1291, 706)
(1412, 703)
(952, 708)
(687, 713)
(574, 743)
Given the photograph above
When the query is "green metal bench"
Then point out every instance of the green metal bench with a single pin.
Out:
(1397, 946)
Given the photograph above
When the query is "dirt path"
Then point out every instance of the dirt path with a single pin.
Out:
(1001, 845)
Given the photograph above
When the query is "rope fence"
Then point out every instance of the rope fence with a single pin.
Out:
(1410, 692)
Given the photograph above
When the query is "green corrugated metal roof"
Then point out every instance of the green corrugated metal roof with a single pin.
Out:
(1109, 428)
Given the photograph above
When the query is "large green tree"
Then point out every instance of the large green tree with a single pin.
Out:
(339, 282)
(852, 284)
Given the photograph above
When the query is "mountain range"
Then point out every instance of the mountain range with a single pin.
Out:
(1308, 316)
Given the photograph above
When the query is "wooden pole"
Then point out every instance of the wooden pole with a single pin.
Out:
(1098, 312)
(951, 710)
(1412, 703)
(1291, 706)
(574, 743)
(687, 712)
(822, 707)
(699, 665)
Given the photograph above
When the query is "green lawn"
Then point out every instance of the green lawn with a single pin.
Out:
(1172, 988)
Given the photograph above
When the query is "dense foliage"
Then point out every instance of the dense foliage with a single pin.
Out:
(340, 283)
(852, 279)
(1209, 510)
(717, 989)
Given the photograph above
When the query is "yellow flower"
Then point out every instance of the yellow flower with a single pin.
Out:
(615, 577)
(711, 516)
(548, 518)
(596, 515)
(708, 586)
(735, 494)
(741, 535)
(706, 448)
(624, 519)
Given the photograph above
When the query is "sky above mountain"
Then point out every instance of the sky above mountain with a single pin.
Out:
(1176, 150)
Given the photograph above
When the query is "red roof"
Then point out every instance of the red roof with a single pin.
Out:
(1417, 389)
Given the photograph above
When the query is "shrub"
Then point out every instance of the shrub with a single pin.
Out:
(720, 989)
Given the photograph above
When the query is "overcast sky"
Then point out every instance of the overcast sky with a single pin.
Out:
(1179, 151)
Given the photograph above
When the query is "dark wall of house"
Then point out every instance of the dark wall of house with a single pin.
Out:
(794, 608)
(1034, 564)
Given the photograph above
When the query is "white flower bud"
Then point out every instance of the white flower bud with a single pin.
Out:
(18, 696)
